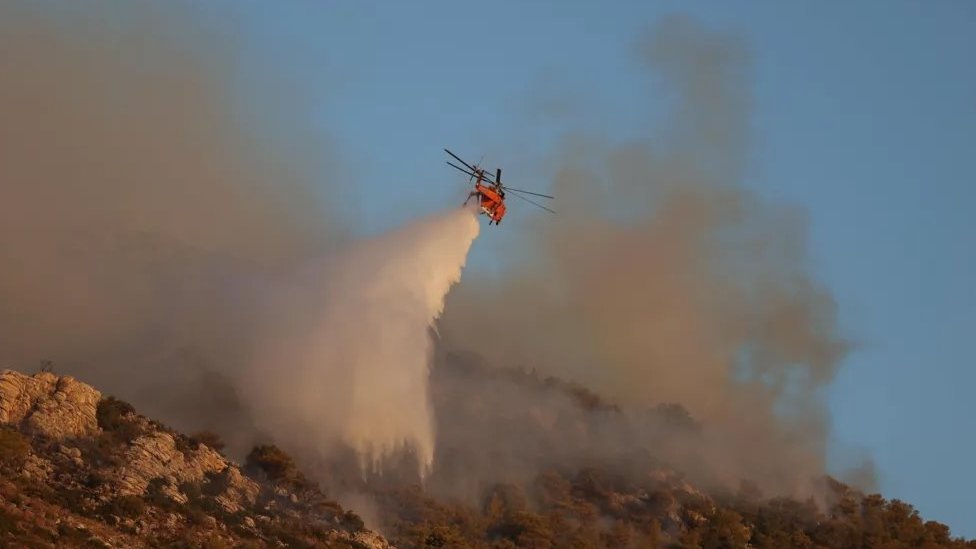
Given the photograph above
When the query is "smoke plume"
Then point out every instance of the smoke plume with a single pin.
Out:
(150, 245)
(138, 212)
(348, 361)
(664, 280)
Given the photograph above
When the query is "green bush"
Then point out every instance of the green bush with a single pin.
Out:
(328, 507)
(95, 479)
(208, 438)
(354, 521)
(156, 496)
(676, 416)
(111, 411)
(101, 450)
(124, 506)
(273, 462)
(216, 483)
(192, 490)
(183, 444)
(115, 416)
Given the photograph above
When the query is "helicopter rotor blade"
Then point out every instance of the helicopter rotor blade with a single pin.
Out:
(474, 169)
(458, 158)
(486, 176)
(527, 192)
(533, 203)
(471, 175)
(498, 176)
(459, 168)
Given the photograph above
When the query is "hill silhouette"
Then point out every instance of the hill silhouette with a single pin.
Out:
(81, 469)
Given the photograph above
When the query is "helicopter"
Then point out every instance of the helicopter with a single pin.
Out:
(491, 193)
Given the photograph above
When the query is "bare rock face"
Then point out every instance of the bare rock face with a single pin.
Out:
(156, 455)
(239, 490)
(49, 405)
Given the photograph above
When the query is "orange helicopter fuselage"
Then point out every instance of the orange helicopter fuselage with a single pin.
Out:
(492, 203)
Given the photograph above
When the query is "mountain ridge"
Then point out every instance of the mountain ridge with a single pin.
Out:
(81, 469)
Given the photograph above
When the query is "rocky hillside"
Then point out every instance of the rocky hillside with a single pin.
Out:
(81, 470)
(559, 468)
(78, 469)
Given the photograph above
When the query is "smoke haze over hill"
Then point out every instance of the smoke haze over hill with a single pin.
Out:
(697, 293)
(165, 255)
(136, 210)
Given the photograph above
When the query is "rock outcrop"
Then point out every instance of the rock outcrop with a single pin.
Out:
(77, 470)
(155, 455)
(239, 491)
(49, 405)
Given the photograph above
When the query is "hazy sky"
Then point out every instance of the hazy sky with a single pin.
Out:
(865, 115)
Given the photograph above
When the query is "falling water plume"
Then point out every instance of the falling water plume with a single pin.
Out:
(359, 348)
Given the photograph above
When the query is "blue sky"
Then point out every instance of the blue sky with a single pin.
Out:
(865, 115)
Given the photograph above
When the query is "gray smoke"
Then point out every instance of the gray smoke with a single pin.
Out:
(145, 232)
(664, 280)
(139, 218)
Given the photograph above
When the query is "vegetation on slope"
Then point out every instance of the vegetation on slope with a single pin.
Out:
(76, 492)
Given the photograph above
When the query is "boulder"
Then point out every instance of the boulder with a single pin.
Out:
(156, 455)
(239, 491)
(49, 405)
